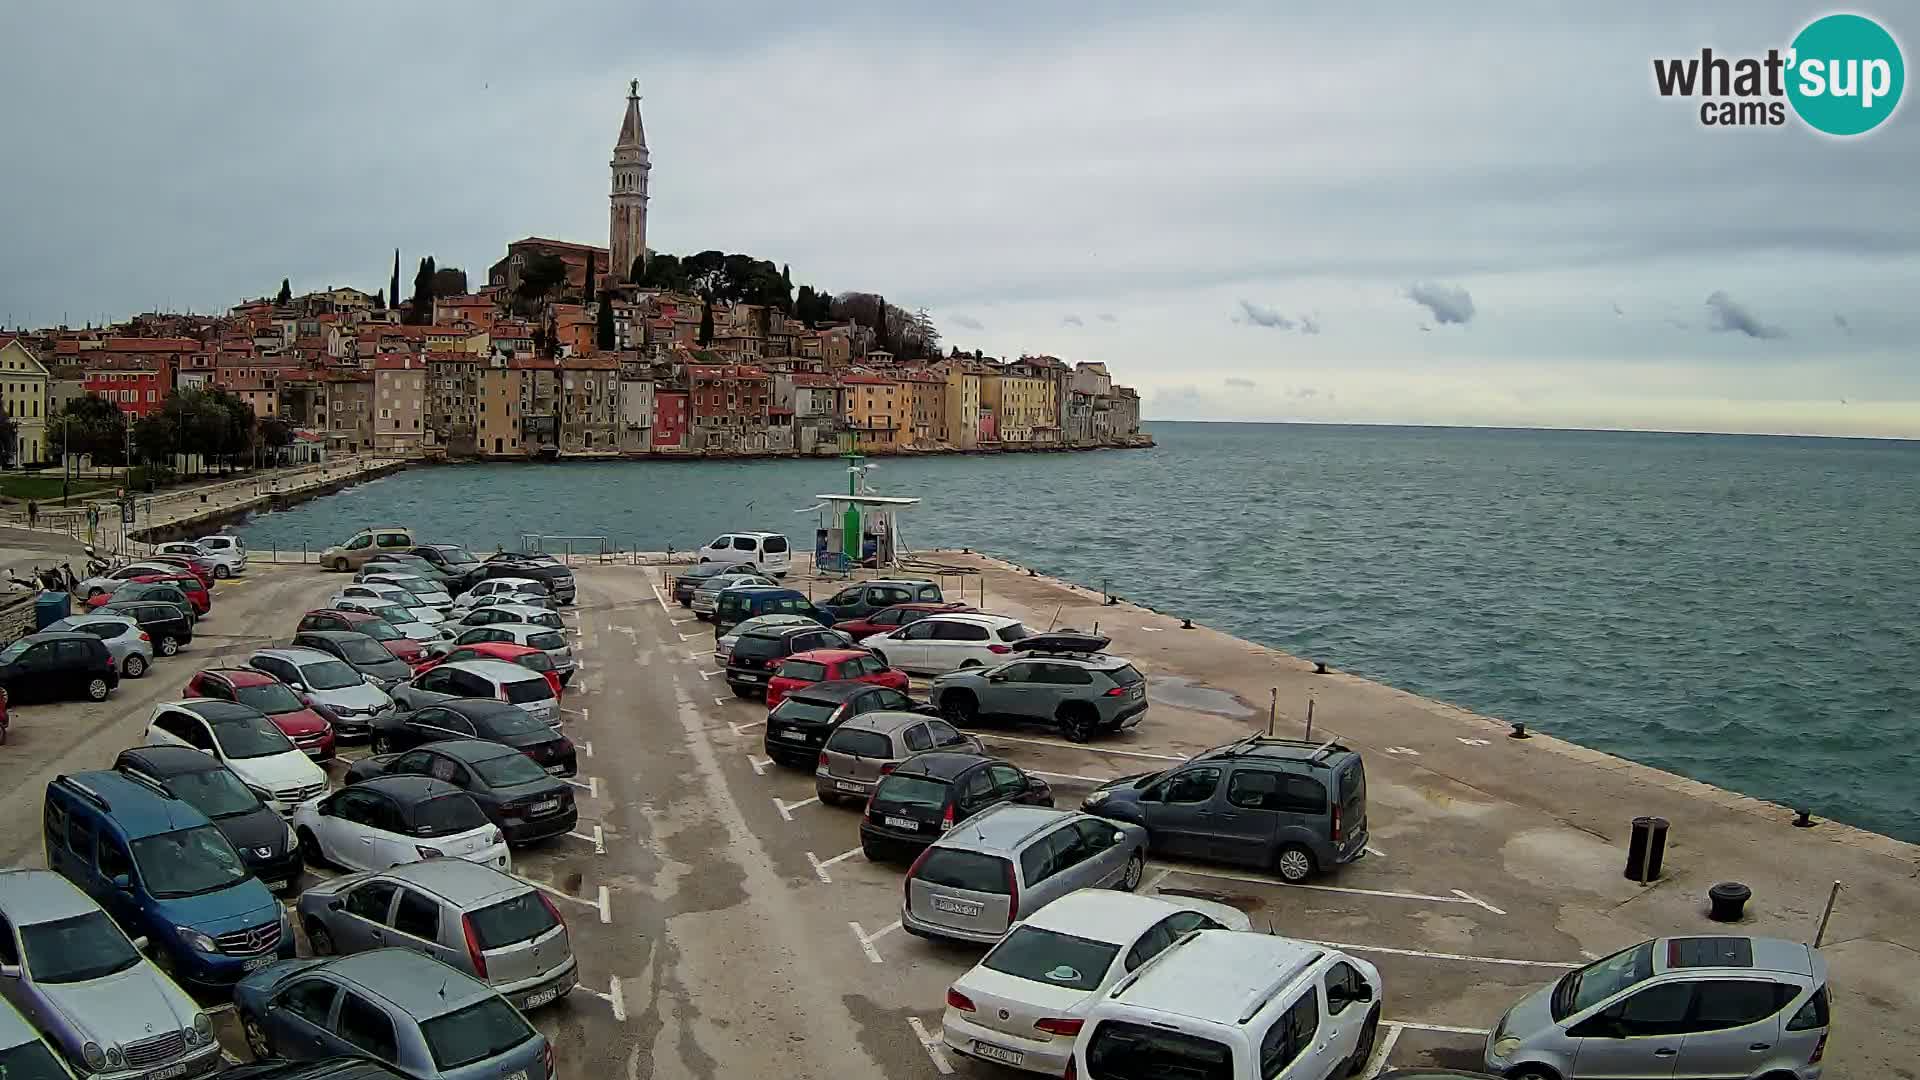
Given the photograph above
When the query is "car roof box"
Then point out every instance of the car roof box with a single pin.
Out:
(1068, 642)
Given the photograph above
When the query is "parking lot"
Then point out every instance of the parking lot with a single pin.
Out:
(727, 924)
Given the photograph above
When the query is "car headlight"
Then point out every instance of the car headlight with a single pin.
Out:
(202, 1028)
(262, 793)
(1503, 1048)
(95, 1057)
(114, 1059)
(293, 839)
(1096, 798)
(197, 940)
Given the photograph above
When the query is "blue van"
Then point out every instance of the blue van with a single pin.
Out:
(165, 872)
(743, 602)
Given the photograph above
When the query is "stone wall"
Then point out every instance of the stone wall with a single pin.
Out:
(16, 616)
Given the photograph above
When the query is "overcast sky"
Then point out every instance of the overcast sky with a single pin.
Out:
(1420, 214)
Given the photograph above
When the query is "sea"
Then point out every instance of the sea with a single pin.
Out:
(1744, 610)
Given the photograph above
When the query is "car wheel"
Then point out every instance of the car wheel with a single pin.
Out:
(97, 689)
(169, 645)
(310, 851)
(1078, 721)
(256, 1037)
(959, 707)
(221, 573)
(1531, 1072)
(1136, 869)
(382, 744)
(826, 798)
(134, 666)
(872, 851)
(966, 665)
(340, 566)
(319, 939)
(1363, 1051)
(1294, 864)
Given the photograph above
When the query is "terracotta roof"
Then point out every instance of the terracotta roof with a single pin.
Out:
(398, 362)
(139, 344)
(868, 380)
(809, 378)
(436, 357)
(541, 241)
(725, 371)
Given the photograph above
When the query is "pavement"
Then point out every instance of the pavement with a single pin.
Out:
(727, 924)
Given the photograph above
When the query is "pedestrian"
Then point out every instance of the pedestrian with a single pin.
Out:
(33, 514)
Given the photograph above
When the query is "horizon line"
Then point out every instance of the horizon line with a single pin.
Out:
(1144, 421)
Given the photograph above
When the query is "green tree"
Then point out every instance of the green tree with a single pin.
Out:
(882, 340)
(590, 274)
(449, 281)
(393, 287)
(275, 434)
(420, 308)
(286, 292)
(603, 325)
(706, 320)
(91, 425)
(380, 299)
(540, 276)
(9, 438)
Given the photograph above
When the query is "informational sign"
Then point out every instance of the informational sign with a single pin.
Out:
(126, 511)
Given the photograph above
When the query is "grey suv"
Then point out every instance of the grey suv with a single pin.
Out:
(1683, 1006)
(74, 975)
(863, 598)
(1059, 678)
(490, 925)
(974, 883)
(1294, 807)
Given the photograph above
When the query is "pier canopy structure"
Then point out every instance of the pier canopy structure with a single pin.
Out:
(860, 526)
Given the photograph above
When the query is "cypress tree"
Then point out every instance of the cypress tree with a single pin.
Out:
(286, 293)
(603, 325)
(393, 287)
(706, 320)
(590, 289)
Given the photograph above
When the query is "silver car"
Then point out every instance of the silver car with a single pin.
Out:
(1010, 862)
(131, 647)
(1682, 1006)
(862, 750)
(496, 680)
(490, 925)
(327, 680)
(723, 645)
(707, 597)
(429, 593)
(547, 640)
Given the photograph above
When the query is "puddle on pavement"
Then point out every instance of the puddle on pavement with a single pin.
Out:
(1183, 694)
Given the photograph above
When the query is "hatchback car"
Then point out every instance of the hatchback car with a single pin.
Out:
(743, 602)
(757, 655)
(497, 587)
(1023, 1004)
(689, 580)
(1059, 679)
(90, 587)
(198, 599)
(1010, 860)
(52, 665)
(519, 796)
(226, 552)
(353, 553)
(396, 1006)
(489, 649)
(321, 679)
(938, 644)
(545, 638)
(928, 794)
(88, 989)
(478, 718)
(798, 727)
(450, 559)
(478, 920)
(863, 598)
(170, 628)
(193, 563)
(24, 1053)
(1296, 808)
(130, 646)
(864, 748)
(263, 838)
(802, 670)
(359, 652)
(379, 592)
(723, 645)
(405, 562)
(512, 613)
(151, 590)
(404, 619)
(544, 568)
(391, 820)
(244, 740)
(1680, 1006)
(306, 725)
(495, 680)
(707, 596)
(889, 619)
(390, 637)
(427, 591)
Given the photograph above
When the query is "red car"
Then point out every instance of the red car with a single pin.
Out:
(294, 716)
(827, 665)
(197, 593)
(360, 622)
(525, 655)
(199, 568)
(893, 618)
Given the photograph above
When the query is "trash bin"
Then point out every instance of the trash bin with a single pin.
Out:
(50, 607)
(1646, 848)
(1729, 901)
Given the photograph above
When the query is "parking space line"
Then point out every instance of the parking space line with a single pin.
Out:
(1376, 852)
(615, 998)
(1069, 776)
(1089, 747)
(1154, 885)
(688, 637)
(598, 839)
(711, 674)
(759, 764)
(1377, 1063)
(688, 619)
(600, 904)
(586, 746)
(1442, 1028)
(662, 599)
(591, 787)
(867, 940)
(1463, 957)
(720, 701)
(936, 1049)
(820, 865)
(1458, 896)
(742, 729)
(786, 808)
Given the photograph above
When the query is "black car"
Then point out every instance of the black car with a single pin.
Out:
(685, 585)
(930, 793)
(261, 836)
(359, 652)
(477, 718)
(798, 727)
(164, 623)
(52, 665)
(756, 655)
(517, 795)
(130, 591)
(451, 559)
(333, 1068)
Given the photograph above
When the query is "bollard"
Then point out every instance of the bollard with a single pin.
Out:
(1186, 624)
(1519, 732)
(1804, 820)
(1646, 849)
(1728, 901)
(1319, 667)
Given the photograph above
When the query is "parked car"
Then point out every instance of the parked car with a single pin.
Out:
(888, 619)
(395, 1006)
(130, 646)
(6, 718)
(167, 625)
(148, 588)
(473, 918)
(688, 581)
(1233, 1004)
(799, 726)
(61, 959)
(862, 749)
(92, 586)
(928, 794)
(243, 740)
(451, 559)
(558, 578)
(380, 592)
(518, 795)
(353, 553)
(938, 644)
(707, 596)
(495, 680)
(405, 562)
(1024, 1003)
(757, 655)
(802, 670)
(478, 718)
(263, 838)
(326, 1068)
(1059, 679)
(1728, 1005)
(863, 598)
(199, 599)
(543, 639)
(390, 637)
(1010, 860)
(359, 652)
(511, 613)
(497, 644)
(321, 679)
(406, 620)
(165, 873)
(427, 592)
(742, 602)
(194, 564)
(1292, 806)
(387, 821)
(308, 726)
(224, 550)
(723, 645)
(764, 550)
(52, 665)
(496, 587)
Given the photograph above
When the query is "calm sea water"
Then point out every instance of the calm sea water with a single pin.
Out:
(1742, 610)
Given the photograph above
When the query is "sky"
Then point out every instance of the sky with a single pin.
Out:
(1397, 212)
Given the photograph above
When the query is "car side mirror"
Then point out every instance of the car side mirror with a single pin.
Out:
(1364, 994)
(336, 905)
(141, 943)
(11, 971)
(370, 680)
(1119, 837)
(996, 677)
(123, 882)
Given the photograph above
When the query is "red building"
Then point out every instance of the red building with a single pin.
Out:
(136, 392)
(669, 418)
(730, 404)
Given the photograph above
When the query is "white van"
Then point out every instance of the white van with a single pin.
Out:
(768, 551)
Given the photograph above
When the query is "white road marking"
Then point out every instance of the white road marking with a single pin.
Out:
(1154, 885)
(1464, 958)
(711, 674)
(1376, 852)
(742, 729)
(600, 904)
(598, 839)
(591, 787)
(615, 998)
(1589, 954)
(936, 1049)
(1151, 629)
(688, 637)
(866, 940)
(786, 808)
(1458, 896)
(1070, 776)
(759, 764)
(1472, 742)
(662, 599)
(688, 619)
(1443, 1028)
(720, 701)
(820, 865)
(1404, 751)
(586, 747)
(1077, 746)
(1381, 1052)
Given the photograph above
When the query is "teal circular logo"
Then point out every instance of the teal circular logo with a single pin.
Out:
(1846, 74)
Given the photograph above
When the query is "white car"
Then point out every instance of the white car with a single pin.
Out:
(324, 679)
(1024, 1002)
(109, 581)
(546, 639)
(768, 551)
(496, 680)
(377, 590)
(518, 586)
(723, 646)
(545, 603)
(391, 820)
(244, 740)
(400, 618)
(938, 644)
(225, 551)
(506, 613)
(425, 593)
(367, 599)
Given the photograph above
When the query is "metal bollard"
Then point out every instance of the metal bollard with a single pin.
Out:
(1646, 849)
(1728, 901)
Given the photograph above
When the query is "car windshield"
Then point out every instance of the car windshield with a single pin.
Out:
(1125, 1051)
(457, 555)
(969, 870)
(527, 691)
(270, 698)
(188, 862)
(508, 770)
(803, 710)
(249, 736)
(447, 815)
(1013, 632)
(1600, 980)
(1125, 675)
(1044, 956)
(858, 743)
(535, 661)
(552, 639)
(12, 652)
(392, 614)
(379, 630)
(30, 1061)
(363, 650)
(484, 1029)
(216, 793)
(509, 922)
(509, 722)
(330, 675)
(898, 792)
(803, 670)
(76, 949)
(758, 645)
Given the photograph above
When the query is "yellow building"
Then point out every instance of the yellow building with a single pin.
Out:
(1026, 404)
(24, 393)
(497, 426)
(879, 412)
(959, 425)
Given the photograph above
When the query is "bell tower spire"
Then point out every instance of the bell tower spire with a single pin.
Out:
(627, 214)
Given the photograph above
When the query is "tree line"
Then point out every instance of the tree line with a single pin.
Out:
(214, 425)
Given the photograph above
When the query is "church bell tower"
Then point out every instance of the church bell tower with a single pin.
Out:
(627, 214)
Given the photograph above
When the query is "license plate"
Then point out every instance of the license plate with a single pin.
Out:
(519, 1075)
(795, 736)
(171, 1072)
(751, 677)
(546, 806)
(534, 1001)
(998, 1053)
(902, 823)
(556, 769)
(254, 964)
(1136, 692)
(957, 907)
(848, 785)
(277, 885)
